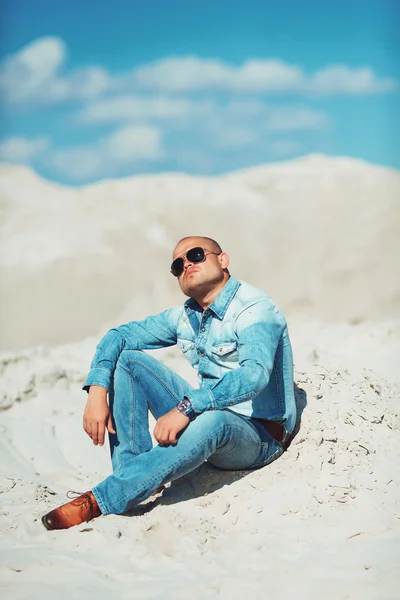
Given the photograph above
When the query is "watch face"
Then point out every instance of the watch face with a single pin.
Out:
(184, 405)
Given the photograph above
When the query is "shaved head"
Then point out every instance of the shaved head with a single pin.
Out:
(209, 242)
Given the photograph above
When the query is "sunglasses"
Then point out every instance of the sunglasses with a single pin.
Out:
(194, 255)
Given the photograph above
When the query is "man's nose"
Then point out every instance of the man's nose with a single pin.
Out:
(187, 263)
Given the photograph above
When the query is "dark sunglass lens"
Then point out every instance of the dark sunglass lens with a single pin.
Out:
(195, 255)
(177, 267)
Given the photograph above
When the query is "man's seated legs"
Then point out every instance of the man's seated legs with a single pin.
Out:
(223, 437)
(141, 383)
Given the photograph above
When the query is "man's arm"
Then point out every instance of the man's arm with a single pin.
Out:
(259, 329)
(154, 332)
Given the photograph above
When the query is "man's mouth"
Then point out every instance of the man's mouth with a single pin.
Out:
(191, 271)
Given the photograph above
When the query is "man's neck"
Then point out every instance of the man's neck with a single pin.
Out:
(205, 301)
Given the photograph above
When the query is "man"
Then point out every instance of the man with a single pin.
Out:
(240, 417)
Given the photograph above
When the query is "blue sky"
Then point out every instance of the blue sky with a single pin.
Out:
(90, 92)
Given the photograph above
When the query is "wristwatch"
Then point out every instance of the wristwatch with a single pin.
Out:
(185, 407)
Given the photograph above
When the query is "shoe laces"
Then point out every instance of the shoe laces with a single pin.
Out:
(72, 495)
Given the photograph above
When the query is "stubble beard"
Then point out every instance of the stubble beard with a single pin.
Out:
(200, 287)
(192, 289)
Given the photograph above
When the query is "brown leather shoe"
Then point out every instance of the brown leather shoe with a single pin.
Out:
(83, 508)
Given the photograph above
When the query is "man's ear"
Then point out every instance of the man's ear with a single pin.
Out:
(224, 260)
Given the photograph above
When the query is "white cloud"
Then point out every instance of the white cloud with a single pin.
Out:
(235, 127)
(22, 150)
(233, 137)
(340, 79)
(245, 108)
(79, 163)
(136, 107)
(191, 74)
(87, 83)
(134, 142)
(181, 75)
(188, 74)
(33, 74)
(296, 118)
(246, 125)
(241, 113)
(127, 145)
(30, 71)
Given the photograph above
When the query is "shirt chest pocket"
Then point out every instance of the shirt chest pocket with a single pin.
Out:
(187, 347)
(225, 351)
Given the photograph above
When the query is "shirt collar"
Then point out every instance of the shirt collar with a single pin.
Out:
(221, 302)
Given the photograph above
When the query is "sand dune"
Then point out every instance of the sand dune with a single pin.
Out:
(319, 234)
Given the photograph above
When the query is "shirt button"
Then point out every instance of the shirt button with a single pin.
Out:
(202, 353)
(203, 329)
(230, 403)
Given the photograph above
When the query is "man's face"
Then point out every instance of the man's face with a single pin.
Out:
(199, 278)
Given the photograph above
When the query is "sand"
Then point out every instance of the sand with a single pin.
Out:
(324, 519)
(319, 234)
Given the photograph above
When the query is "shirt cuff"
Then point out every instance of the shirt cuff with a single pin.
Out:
(202, 400)
(97, 376)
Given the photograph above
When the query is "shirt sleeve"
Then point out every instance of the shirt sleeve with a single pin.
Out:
(259, 331)
(158, 331)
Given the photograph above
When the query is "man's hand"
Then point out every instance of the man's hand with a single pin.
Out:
(96, 417)
(168, 426)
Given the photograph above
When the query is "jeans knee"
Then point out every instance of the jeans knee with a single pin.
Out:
(130, 359)
(139, 365)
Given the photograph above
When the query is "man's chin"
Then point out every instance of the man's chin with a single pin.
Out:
(191, 287)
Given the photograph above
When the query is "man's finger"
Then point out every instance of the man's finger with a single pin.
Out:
(172, 437)
(94, 434)
(162, 437)
(101, 430)
(88, 428)
(110, 427)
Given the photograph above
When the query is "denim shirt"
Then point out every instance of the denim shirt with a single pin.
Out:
(239, 346)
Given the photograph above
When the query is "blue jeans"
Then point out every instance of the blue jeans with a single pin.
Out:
(223, 438)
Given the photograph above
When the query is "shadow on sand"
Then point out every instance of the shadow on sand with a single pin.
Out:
(207, 478)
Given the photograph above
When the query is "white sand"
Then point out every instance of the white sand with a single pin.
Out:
(322, 520)
(319, 234)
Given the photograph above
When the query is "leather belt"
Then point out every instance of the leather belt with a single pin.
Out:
(275, 430)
